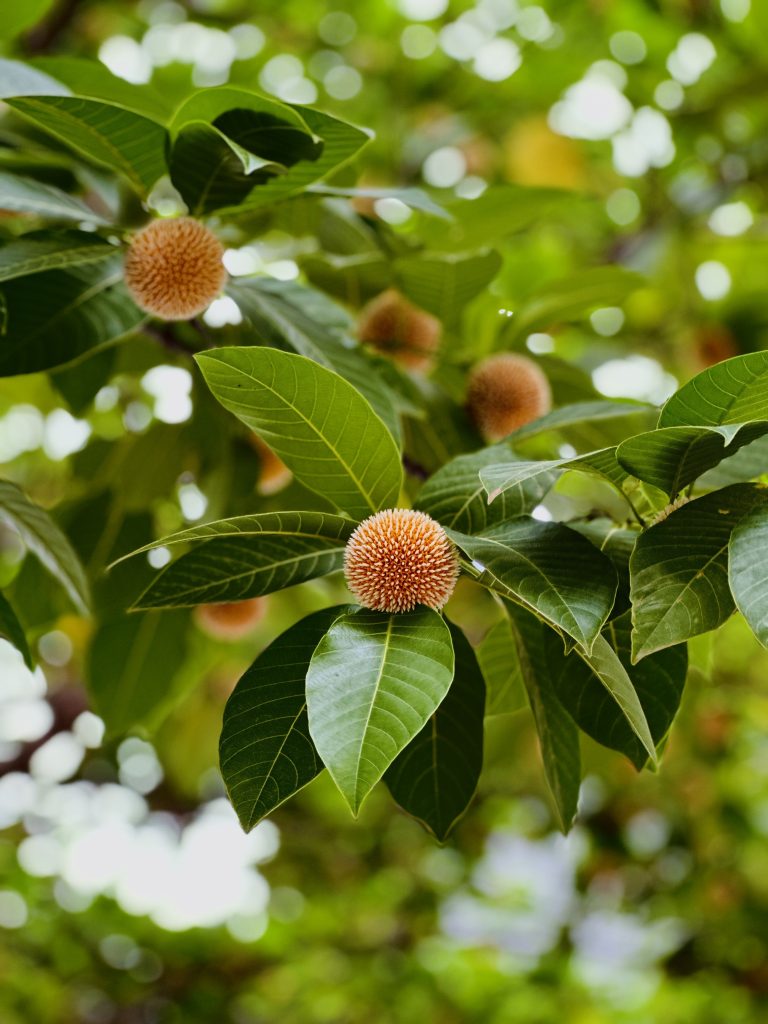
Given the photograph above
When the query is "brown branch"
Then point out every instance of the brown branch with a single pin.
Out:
(44, 36)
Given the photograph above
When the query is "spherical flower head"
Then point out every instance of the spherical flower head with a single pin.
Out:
(505, 392)
(391, 324)
(399, 558)
(173, 268)
(231, 620)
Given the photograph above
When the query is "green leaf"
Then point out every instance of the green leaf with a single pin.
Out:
(207, 105)
(572, 298)
(500, 665)
(747, 463)
(13, 631)
(289, 314)
(247, 557)
(501, 210)
(747, 571)
(323, 430)
(658, 681)
(266, 752)
(499, 477)
(454, 495)
(341, 142)
(679, 570)
(25, 195)
(18, 79)
(87, 77)
(549, 569)
(44, 538)
(435, 777)
(85, 308)
(558, 736)
(207, 169)
(373, 683)
(131, 665)
(606, 665)
(50, 250)
(672, 457)
(124, 141)
(733, 391)
(217, 165)
(443, 283)
(577, 415)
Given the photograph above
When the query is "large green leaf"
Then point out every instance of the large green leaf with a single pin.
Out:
(733, 391)
(217, 165)
(500, 210)
(207, 105)
(341, 142)
(444, 283)
(301, 524)
(50, 250)
(558, 735)
(289, 314)
(249, 556)
(577, 415)
(85, 308)
(131, 665)
(435, 777)
(124, 141)
(747, 570)
(13, 631)
(672, 457)
(265, 751)
(606, 665)
(25, 195)
(373, 683)
(208, 170)
(454, 495)
(658, 681)
(549, 569)
(499, 477)
(87, 77)
(679, 570)
(44, 538)
(323, 430)
(747, 463)
(572, 298)
(497, 657)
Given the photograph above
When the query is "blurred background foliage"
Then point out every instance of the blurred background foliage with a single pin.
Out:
(635, 134)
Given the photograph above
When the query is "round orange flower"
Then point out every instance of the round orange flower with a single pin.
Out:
(173, 268)
(395, 327)
(231, 620)
(399, 558)
(505, 392)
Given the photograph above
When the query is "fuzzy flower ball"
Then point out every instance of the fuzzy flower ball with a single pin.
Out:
(230, 620)
(399, 558)
(505, 392)
(173, 268)
(399, 329)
